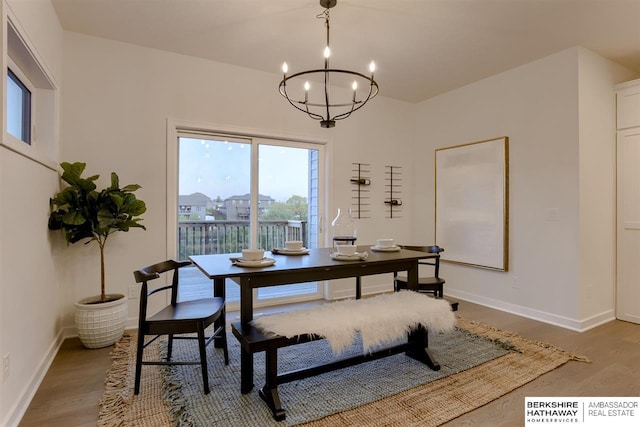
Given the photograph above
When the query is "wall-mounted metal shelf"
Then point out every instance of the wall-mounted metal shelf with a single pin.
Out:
(393, 192)
(361, 200)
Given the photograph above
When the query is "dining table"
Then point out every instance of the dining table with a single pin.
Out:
(316, 264)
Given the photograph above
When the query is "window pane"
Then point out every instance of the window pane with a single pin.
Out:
(214, 191)
(285, 191)
(214, 176)
(18, 108)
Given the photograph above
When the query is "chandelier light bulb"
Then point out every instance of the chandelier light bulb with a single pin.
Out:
(307, 86)
(372, 67)
(327, 52)
(285, 67)
(354, 85)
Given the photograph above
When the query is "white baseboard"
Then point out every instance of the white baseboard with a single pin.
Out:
(18, 410)
(542, 316)
(367, 290)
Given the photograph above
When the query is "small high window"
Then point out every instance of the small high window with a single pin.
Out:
(18, 108)
(29, 101)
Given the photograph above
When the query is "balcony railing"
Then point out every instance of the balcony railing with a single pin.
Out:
(224, 237)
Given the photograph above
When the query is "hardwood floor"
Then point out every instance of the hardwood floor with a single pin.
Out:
(71, 389)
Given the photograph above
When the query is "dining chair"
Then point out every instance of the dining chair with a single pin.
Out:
(177, 318)
(433, 284)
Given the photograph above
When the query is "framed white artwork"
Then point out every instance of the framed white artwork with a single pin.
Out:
(472, 203)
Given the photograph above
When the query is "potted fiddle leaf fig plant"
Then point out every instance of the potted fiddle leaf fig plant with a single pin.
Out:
(87, 214)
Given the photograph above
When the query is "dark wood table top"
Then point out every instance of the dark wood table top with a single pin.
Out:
(219, 266)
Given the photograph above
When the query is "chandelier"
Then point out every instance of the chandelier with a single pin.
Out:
(319, 105)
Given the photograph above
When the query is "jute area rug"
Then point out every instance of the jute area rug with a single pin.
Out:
(479, 364)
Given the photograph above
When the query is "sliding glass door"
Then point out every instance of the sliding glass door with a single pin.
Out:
(287, 180)
(236, 193)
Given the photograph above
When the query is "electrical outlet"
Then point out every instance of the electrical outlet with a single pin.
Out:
(514, 282)
(133, 291)
(6, 359)
(552, 214)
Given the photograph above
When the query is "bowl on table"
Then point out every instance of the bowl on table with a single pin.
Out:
(346, 249)
(252, 254)
(293, 245)
(385, 243)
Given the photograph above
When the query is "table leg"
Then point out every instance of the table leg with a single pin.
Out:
(246, 315)
(246, 302)
(412, 277)
(218, 291)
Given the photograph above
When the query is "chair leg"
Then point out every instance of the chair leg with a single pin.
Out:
(169, 347)
(140, 350)
(224, 346)
(223, 335)
(203, 358)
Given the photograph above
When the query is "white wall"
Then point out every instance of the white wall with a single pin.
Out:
(117, 100)
(30, 314)
(597, 124)
(540, 107)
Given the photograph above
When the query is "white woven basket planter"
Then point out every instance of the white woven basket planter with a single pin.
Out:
(102, 324)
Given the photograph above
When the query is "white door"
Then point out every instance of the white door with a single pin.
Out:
(628, 282)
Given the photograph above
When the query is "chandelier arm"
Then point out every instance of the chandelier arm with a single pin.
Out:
(331, 70)
(361, 103)
(326, 93)
(283, 92)
(355, 105)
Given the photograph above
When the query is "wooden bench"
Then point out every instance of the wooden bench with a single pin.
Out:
(253, 340)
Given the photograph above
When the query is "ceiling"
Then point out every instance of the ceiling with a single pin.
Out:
(421, 47)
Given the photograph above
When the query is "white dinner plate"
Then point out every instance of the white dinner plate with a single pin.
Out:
(264, 262)
(284, 251)
(358, 256)
(394, 248)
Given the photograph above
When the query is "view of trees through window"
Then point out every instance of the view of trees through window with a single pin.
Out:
(295, 207)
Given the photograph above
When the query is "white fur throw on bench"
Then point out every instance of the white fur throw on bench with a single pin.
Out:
(381, 319)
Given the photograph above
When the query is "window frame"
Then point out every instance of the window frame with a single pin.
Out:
(15, 74)
(22, 59)
(176, 129)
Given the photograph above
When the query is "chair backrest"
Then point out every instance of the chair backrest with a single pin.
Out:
(433, 249)
(146, 274)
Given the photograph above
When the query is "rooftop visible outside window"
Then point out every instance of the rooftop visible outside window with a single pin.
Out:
(18, 108)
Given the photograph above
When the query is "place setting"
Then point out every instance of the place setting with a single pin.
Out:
(291, 247)
(348, 253)
(252, 258)
(385, 245)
